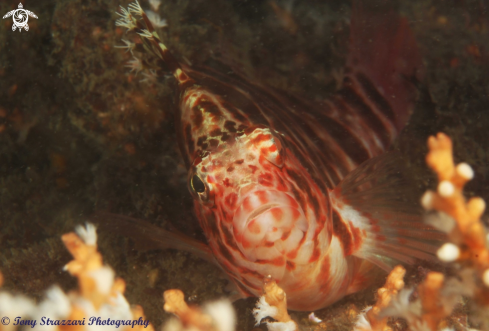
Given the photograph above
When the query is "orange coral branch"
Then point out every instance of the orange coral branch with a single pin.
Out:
(469, 236)
(273, 303)
(469, 233)
(393, 285)
(468, 247)
(215, 316)
(275, 296)
(189, 316)
(96, 282)
(433, 309)
(99, 292)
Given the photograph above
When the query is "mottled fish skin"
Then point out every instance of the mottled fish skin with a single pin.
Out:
(263, 167)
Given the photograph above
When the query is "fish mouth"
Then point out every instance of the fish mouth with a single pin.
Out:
(260, 210)
(257, 204)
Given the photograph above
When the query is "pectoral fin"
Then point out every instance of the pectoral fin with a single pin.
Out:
(148, 236)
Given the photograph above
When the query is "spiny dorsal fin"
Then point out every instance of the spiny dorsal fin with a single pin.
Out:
(135, 19)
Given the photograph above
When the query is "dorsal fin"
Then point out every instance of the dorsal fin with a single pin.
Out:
(135, 19)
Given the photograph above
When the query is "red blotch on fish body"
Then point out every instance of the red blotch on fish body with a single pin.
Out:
(315, 253)
(324, 275)
(231, 199)
(197, 161)
(254, 227)
(278, 160)
(265, 179)
(357, 238)
(249, 272)
(280, 186)
(226, 182)
(247, 206)
(253, 168)
(266, 165)
(341, 231)
(262, 196)
(278, 261)
(293, 202)
(290, 265)
(277, 214)
(292, 254)
(256, 141)
(322, 222)
(296, 214)
(285, 235)
(236, 234)
(246, 244)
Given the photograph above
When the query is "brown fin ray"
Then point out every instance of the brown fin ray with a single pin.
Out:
(379, 200)
(148, 236)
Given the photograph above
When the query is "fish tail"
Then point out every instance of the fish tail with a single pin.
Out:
(377, 216)
(383, 63)
(134, 19)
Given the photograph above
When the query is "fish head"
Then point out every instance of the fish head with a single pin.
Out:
(245, 188)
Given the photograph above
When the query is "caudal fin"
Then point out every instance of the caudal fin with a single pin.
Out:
(382, 216)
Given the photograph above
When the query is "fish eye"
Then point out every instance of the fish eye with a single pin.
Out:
(197, 184)
(198, 187)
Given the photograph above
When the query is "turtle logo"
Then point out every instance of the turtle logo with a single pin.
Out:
(20, 16)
